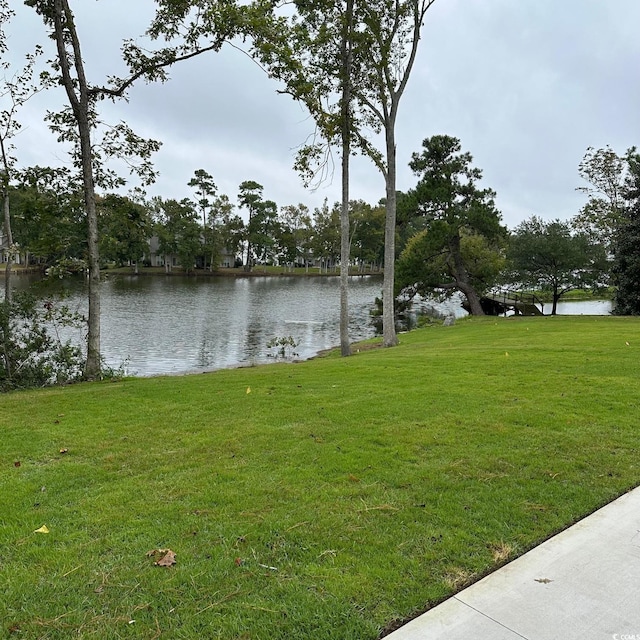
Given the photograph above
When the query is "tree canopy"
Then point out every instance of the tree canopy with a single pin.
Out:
(626, 265)
(550, 256)
(459, 247)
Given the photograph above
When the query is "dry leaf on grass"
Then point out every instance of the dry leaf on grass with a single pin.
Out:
(42, 529)
(166, 557)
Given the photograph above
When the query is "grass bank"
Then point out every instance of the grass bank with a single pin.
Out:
(325, 499)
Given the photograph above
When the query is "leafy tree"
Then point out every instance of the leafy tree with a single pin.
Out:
(427, 267)
(377, 42)
(388, 50)
(261, 226)
(215, 238)
(232, 231)
(326, 241)
(462, 228)
(603, 171)
(48, 216)
(296, 226)
(178, 231)
(205, 190)
(626, 264)
(125, 229)
(311, 51)
(549, 256)
(208, 203)
(367, 233)
(77, 123)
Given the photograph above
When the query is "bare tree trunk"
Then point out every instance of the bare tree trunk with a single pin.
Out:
(345, 346)
(389, 337)
(9, 240)
(78, 94)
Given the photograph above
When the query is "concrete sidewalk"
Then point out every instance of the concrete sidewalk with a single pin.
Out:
(583, 583)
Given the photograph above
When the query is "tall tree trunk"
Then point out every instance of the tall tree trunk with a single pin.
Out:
(345, 346)
(78, 94)
(556, 297)
(9, 241)
(389, 337)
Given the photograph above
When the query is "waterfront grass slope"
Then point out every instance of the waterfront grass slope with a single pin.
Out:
(332, 498)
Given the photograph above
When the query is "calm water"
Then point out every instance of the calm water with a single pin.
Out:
(162, 325)
(176, 324)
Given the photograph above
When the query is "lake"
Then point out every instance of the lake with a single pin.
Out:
(162, 325)
(166, 325)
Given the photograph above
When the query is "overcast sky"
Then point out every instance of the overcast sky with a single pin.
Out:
(526, 85)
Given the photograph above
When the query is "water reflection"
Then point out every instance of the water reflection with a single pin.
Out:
(175, 324)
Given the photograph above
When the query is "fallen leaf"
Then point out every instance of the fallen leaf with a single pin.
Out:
(248, 390)
(506, 353)
(17, 463)
(628, 345)
(167, 560)
(42, 529)
(543, 580)
(64, 450)
(167, 557)
(239, 561)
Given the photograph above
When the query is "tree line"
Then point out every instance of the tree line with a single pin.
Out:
(49, 228)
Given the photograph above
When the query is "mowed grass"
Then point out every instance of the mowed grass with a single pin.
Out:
(327, 499)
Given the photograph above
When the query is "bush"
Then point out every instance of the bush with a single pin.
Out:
(32, 353)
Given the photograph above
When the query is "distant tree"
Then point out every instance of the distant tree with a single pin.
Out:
(215, 240)
(48, 216)
(626, 264)
(326, 240)
(463, 234)
(295, 221)
(179, 232)
(549, 256)
(261, 227)
(125, 228)
(212, 207)
(232, 231)
(205, 191)
(605, 173)
(367, 235)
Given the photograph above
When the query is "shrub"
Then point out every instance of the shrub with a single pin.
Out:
(32, 352)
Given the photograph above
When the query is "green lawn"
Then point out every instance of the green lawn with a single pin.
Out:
(326, 499)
